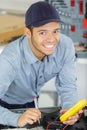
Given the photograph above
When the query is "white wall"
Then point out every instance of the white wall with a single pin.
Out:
(16, 4)
(82, 77)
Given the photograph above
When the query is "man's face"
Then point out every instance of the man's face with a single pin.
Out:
(44, 39)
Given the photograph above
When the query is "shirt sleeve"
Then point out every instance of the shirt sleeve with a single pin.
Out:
(8, 117)
(7, 75)
(66, 80)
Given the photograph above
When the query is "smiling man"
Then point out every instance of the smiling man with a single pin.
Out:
(32, 60)
(44, 39)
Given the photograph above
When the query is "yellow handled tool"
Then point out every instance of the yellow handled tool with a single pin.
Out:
(73, 110)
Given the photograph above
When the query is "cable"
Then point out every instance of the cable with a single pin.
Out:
(55, 122)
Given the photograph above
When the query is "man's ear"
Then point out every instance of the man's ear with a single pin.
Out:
(27, 32)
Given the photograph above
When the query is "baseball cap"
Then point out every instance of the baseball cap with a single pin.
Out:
(41, 13)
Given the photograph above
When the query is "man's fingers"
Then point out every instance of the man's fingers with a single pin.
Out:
(29, 117)
(72, 120)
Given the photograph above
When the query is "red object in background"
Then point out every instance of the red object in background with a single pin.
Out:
(85, 17)
(73, 28)
(72, 3)
(81, 7)
(85, 35)
(85, 23)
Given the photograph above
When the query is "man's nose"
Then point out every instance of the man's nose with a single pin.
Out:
(50, 37)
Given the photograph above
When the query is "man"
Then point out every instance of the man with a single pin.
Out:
(30, 61)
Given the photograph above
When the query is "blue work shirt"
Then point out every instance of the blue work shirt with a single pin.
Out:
(22, 75)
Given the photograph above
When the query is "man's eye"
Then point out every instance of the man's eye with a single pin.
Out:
(57, 31)
(42, 33)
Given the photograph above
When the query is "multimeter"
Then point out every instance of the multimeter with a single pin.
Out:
(74, 109)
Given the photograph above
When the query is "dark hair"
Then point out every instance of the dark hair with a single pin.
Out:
(30, 28)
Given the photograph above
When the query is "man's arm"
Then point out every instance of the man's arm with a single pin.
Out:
(66, 80)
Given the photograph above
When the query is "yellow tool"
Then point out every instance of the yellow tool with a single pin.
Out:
(73, 110)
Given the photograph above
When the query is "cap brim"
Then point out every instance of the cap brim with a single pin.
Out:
(40, 23)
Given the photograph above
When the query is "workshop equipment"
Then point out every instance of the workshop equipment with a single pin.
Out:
(72, 13)
(49, 115)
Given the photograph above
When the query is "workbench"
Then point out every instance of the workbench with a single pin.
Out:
(11, 27)
(37, 128)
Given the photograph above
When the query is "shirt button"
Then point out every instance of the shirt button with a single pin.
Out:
(40, 76)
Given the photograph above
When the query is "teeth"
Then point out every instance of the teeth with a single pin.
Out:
(49, 46)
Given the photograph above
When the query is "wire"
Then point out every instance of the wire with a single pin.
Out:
(55, 122)
(65, 127)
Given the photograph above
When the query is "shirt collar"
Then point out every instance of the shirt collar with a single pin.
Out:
(29, 56)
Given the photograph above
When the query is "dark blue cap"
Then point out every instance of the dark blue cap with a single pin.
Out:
(41, 13)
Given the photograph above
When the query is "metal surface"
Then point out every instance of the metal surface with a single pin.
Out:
(37, 128)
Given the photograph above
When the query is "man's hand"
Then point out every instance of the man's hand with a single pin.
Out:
(30, 116)
(73, 119)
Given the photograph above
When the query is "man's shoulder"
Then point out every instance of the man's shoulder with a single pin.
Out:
(65, 44)
(64, 38)
(14, 46)
(11, 51)
(65, 41)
